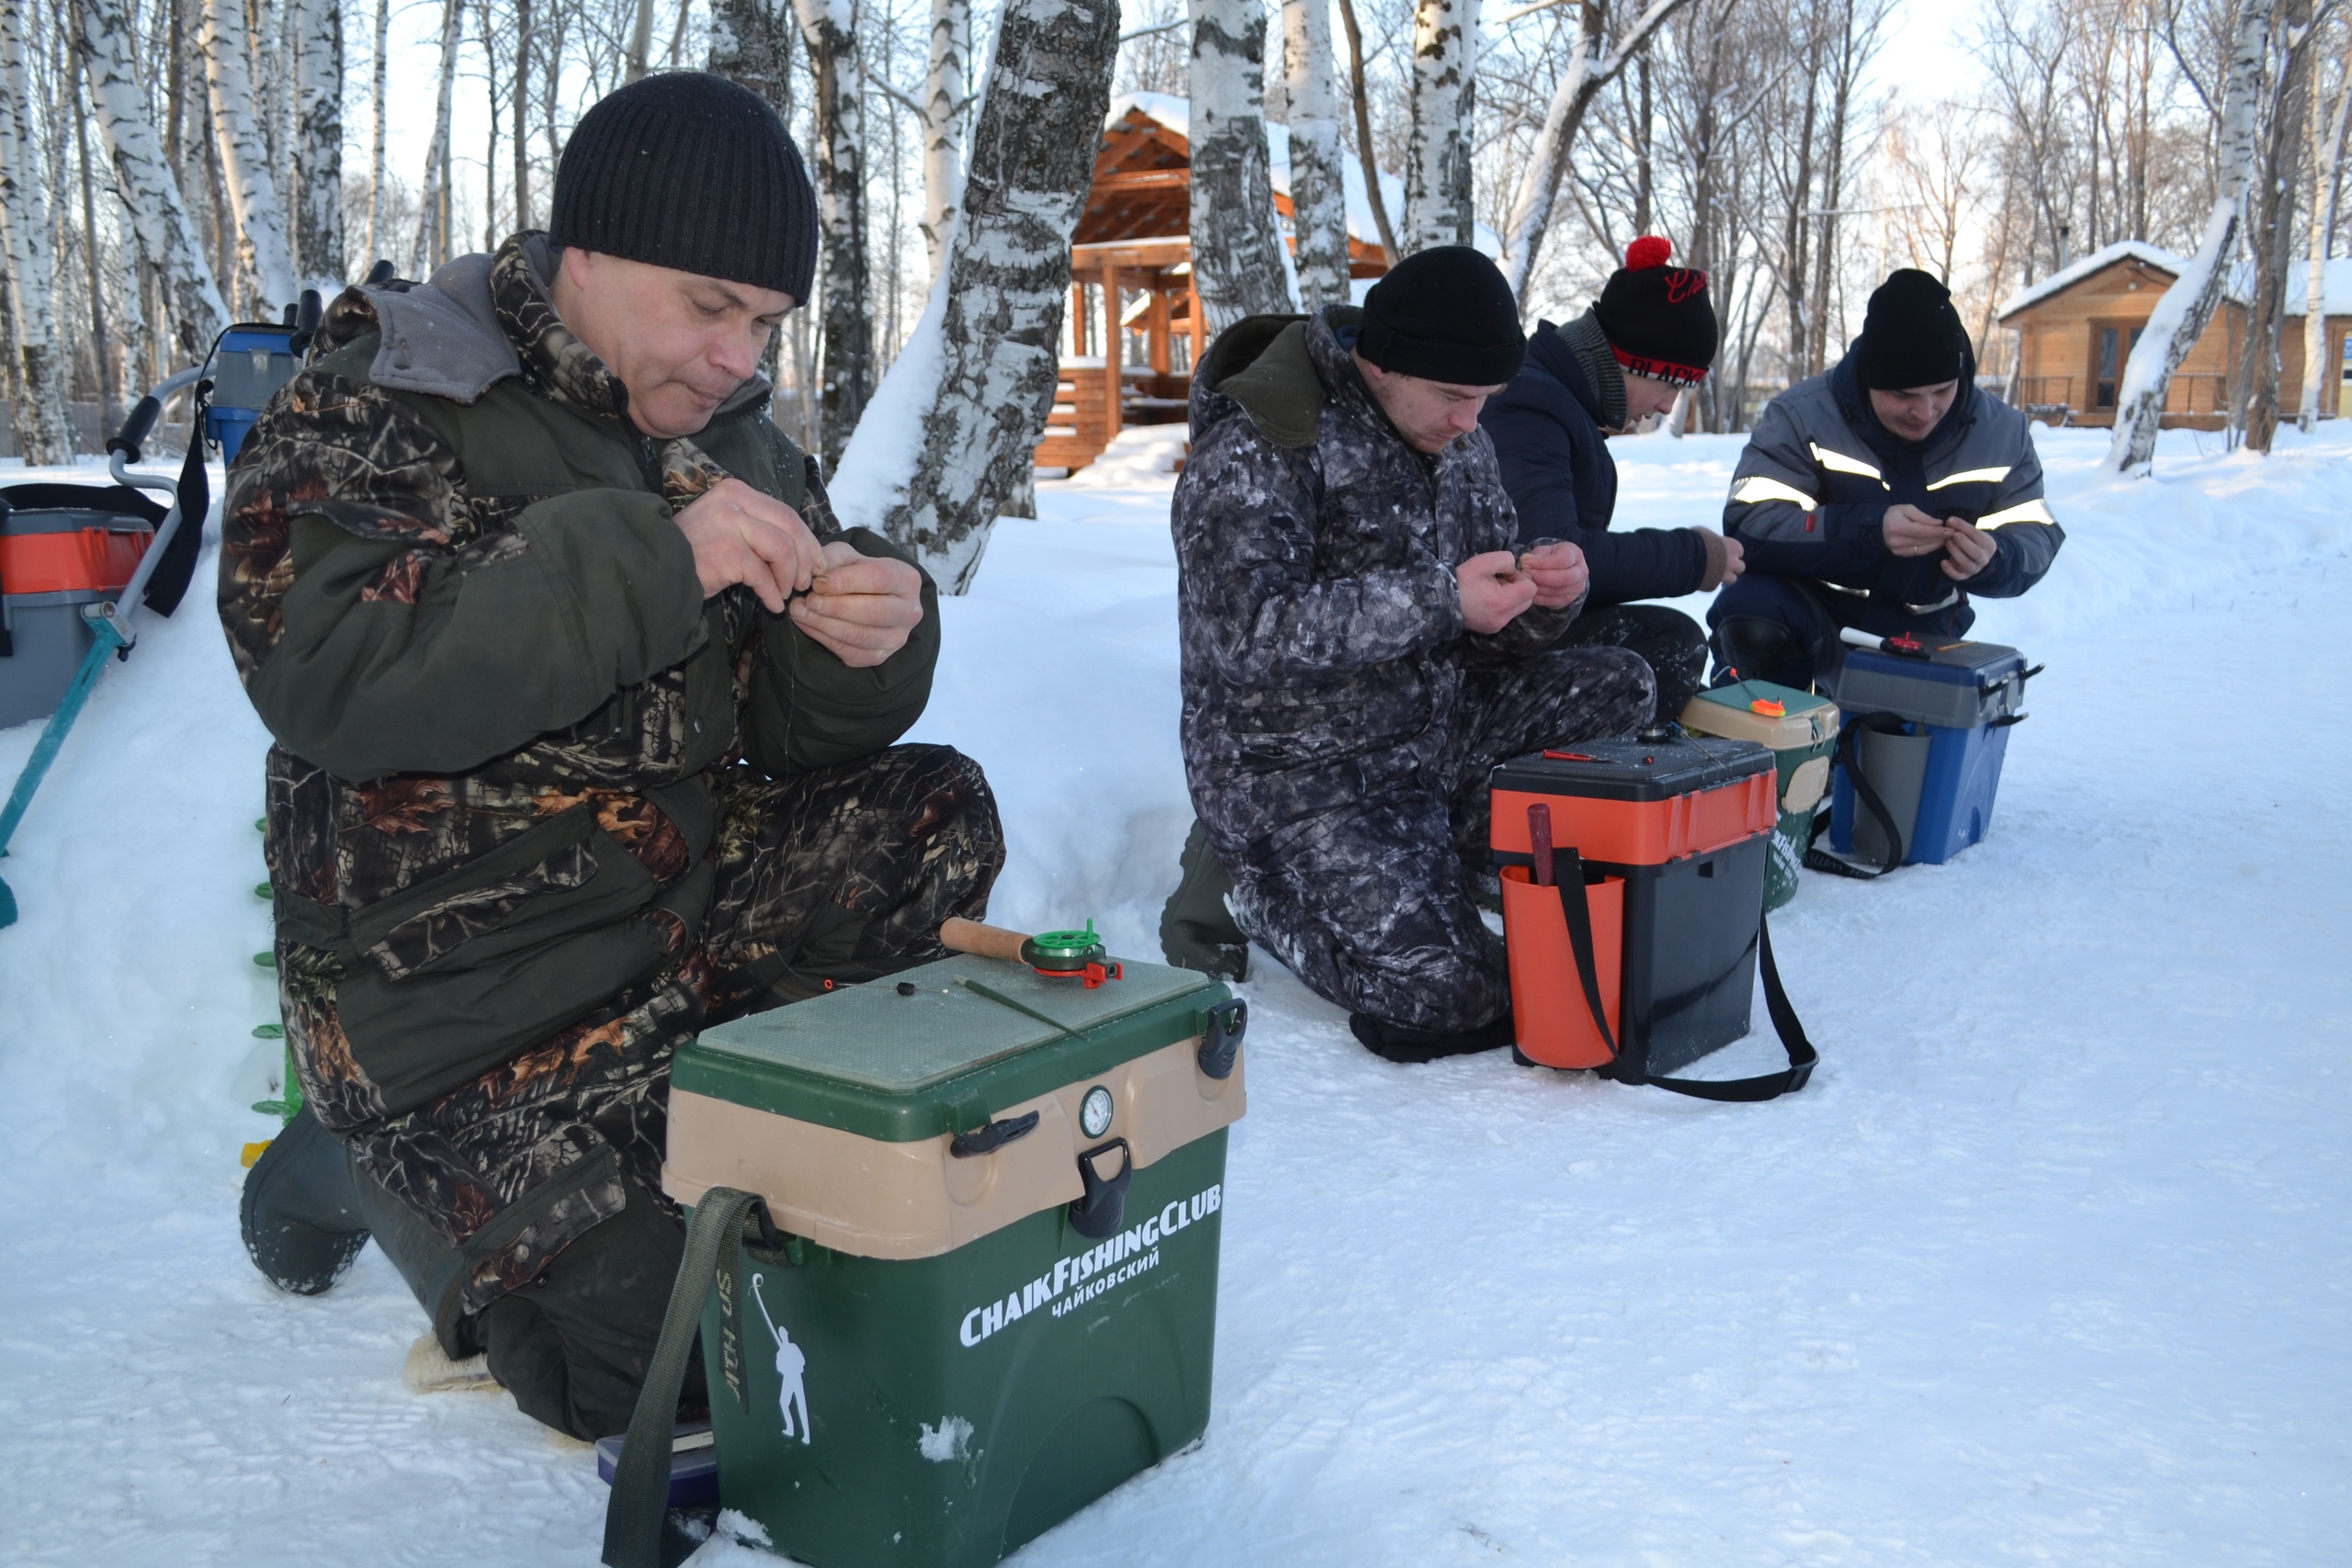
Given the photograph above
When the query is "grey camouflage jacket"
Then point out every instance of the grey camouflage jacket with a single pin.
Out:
(1320, 620)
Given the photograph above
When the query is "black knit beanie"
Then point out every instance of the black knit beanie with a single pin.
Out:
(1443, 314)
(1658, 320)
(1911, 335)
(689, 171)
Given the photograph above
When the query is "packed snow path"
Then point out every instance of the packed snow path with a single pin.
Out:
(2049, 1263)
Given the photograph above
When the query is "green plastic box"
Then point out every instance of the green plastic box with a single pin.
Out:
(1802, 730)
(946, 1354)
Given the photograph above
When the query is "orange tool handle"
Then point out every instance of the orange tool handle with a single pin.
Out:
(959, 935)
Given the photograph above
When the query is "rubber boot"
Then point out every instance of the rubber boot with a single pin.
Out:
(1403, 1042)
(299, 1213)
(1196, 929)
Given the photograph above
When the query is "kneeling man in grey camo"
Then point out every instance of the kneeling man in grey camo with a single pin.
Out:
(1362, 645)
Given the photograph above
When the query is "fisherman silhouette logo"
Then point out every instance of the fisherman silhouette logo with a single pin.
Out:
(791, 1361)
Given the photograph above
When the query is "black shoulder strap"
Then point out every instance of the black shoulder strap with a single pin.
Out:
(1850, 756)
(170, 582)
(1785, 1023)
(634, 1536)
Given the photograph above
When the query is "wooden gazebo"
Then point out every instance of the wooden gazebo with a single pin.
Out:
(1133, 336)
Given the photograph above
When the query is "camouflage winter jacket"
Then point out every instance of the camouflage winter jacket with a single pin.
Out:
(454, 591)
(1320, 618)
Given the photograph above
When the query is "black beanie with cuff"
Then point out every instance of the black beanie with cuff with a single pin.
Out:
(1443, 314)
(1911, 334)
(1658, 320)
(693, 172)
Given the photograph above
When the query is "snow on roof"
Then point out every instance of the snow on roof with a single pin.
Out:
(2335, 292)
(2097, 260)
(1176, 114)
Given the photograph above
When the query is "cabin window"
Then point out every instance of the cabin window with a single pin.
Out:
(2113, 347)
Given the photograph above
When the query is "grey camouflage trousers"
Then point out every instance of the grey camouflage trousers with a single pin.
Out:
(1370, 902)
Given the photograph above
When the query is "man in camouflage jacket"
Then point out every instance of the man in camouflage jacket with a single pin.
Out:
(556, 784)
(1360, 644)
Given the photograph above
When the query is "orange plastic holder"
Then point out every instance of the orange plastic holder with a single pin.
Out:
(87, 560)
(1642, 832)
(1547, 999)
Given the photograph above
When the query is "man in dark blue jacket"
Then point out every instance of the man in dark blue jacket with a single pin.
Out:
(1652, 333)
(1881, 495)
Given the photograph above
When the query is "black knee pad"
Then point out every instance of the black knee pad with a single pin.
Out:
(299, 1213)
(1752, 647)
(572, 1346)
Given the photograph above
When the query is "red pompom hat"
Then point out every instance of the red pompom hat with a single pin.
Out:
(1658, 317)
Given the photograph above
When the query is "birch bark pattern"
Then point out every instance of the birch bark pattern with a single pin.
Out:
(751, 44)
(846, 363)
(2180, 316)
(2327, 185)
(158, 219)
(944, 87)
(1437, 154)
(955, 425)
(1236, 250)
(1588, 72)
(318, 144)
(264, 259)
(42, 434)
(1319, 202)
(375, 135)
(433, 200)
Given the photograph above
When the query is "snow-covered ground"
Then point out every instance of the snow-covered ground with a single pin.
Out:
(2048, 1264)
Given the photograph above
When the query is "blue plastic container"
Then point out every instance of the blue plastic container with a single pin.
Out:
(249, 365)
(1961, 699)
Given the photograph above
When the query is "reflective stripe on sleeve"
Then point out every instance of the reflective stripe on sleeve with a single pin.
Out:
(1758, 487)
(2025, 511)
(1971, 476)
(1839, 463)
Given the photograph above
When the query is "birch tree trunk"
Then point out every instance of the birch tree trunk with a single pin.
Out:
(1318, 200)
(376, 134)
(522, 114)
(1594, 66)
(159, 221)
(944, 87)
(955, 427)
(847, 364)
(318, 144)
(2274, 223)
(2327, 163)
(264, 260)
(1237, 249)
(640, 41)
(433, 198)
(751, 44)
(1437, 157)
(2180, 317)
(42, 434)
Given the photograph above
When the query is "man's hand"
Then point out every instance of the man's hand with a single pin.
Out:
(1558, 571)
(1911, 532)
(1967, 550)
(740, 534)
(1494, 591)
(861, 607)
(1734, 560)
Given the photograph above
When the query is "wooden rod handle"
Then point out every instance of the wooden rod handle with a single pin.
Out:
(959, 935)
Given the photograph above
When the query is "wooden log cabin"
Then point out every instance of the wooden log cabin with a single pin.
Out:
(1131, 335)
(2075, 329)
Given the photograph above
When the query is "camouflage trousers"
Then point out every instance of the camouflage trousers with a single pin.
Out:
(1370, 902)
(839, 874)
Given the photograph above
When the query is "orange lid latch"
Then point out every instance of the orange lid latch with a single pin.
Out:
(1768, 708)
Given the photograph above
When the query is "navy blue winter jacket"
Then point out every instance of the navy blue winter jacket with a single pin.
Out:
(1556, 466)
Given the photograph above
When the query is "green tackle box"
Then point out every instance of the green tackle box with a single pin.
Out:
(1802, 730)
(990, 1292)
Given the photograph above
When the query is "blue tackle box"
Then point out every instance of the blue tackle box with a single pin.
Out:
(251, 362)
(1933, 726)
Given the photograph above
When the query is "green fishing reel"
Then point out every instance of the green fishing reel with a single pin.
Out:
(1070, 956)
